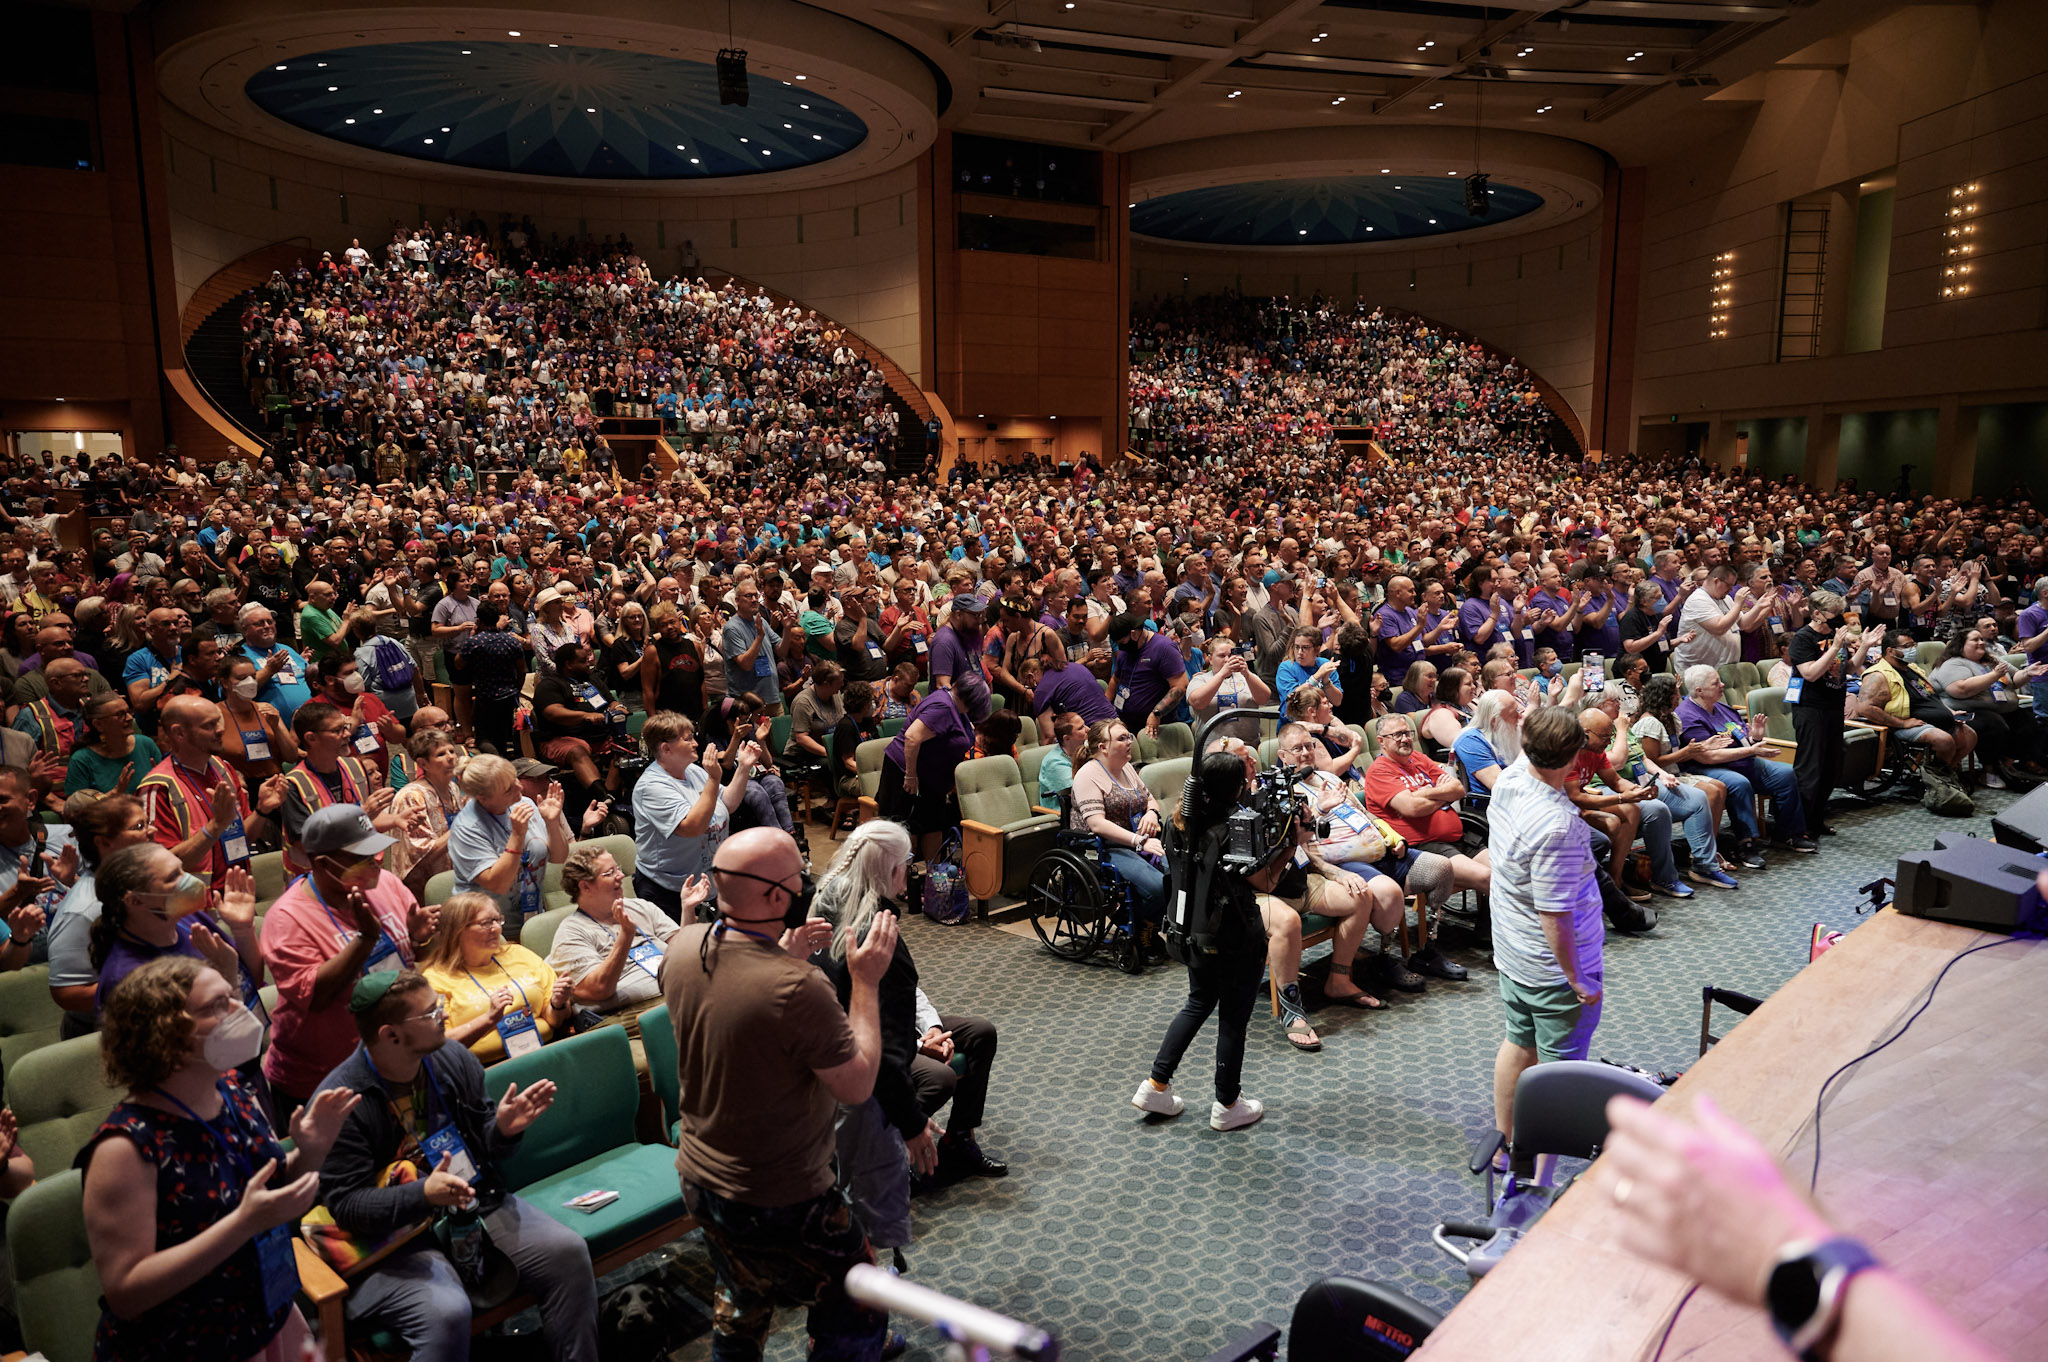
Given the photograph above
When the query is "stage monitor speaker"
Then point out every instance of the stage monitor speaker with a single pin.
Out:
(1973, 883)
(2025, 823)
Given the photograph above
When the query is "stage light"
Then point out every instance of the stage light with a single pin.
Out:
(1476, 203)
(732, 75)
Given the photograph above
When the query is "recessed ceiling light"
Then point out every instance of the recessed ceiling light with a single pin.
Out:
(743, 139)
(1525, 52)
(554, 44)
(817, 137)
(465, 51)
(1130, 205)
(1368, 229)
(1450, 172)
(348, 120)
(788, 125)
(693, 160)
(1430, 43)
(511, 32)
(428, 140)
(803, 77)
(1233, 94)
(1384, 170)
(1438, 105)
(376, 111)
(766, 152)
(1302, 232)
(679, 146)
(1432, 222)
(803, 106)
(447, 130)
(332, 88)
(321, 64)
(280, 68)
(1546, 108)
(590, 111)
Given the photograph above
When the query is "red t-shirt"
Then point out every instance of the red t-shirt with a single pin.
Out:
(1386, 778)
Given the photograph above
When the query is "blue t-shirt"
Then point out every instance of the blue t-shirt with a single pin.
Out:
(287, 688)
(660, 804)
(1475, 754)
(478, 837)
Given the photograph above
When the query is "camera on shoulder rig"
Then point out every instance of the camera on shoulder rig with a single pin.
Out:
(1262, 826)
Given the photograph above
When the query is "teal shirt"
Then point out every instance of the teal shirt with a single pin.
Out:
(91, 771)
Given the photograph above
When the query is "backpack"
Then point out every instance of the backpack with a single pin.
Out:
(1943, 795)
(1208, 909)
(945, 886)
(394, 664)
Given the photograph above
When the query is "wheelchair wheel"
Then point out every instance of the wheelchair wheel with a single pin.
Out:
(1066, 904)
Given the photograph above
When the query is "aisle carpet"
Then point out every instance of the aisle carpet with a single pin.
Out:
(1137, 1239)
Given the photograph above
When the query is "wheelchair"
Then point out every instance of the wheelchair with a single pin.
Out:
(1077, 902)
(1560, 1112)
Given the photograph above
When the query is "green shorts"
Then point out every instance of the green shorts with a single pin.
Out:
(1551, 1021)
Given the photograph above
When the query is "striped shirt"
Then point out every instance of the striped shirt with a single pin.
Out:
(1542, 857)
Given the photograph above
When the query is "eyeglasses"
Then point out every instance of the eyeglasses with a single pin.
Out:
(436, 1013)
(215, 1010)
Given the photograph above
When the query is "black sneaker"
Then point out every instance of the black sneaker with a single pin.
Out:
(1433, 962)
(1805, 846)
(963, 1158)
(1630, 919)
(1750, 857)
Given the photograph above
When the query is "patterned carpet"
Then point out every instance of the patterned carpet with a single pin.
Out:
(1133, 1238)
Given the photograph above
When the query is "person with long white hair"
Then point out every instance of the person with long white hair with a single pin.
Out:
(883, 1140)
(1490, 743)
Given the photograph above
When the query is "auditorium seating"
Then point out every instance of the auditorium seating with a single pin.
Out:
(56, 1283)
(1001, 834)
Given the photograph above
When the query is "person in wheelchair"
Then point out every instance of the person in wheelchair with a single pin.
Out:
(1897, 695)
(1223, 973)
(1359, 868)
(1110, 801)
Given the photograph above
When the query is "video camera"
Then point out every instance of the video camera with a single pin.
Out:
(1261, 827)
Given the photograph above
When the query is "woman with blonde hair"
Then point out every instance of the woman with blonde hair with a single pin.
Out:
(502, 999)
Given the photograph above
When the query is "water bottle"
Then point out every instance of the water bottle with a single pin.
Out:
(462, 1235)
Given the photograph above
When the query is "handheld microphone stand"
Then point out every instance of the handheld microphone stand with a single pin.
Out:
(972, 1334)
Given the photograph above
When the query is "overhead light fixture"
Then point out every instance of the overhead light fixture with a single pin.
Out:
(1525, 52)
(679, 146)
(428, 140)
(1546, 108)
(279, 68)
(1233, 94)
(1432, 222)
(817, 137)
(588, 110)
(1386, 170)
(1438, 105)
(511, 32)
(694, 161)
(1302, 232)
(803, 77)
(465, 51)
(732, 76)
(348, 120)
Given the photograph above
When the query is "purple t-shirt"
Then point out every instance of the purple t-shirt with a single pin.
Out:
(951, 740)
(953, 655)
(1394, 662)
(1559, 639)
(1697, 724)
(2032, 621)
(1143, 679)
(1072, 688)
(1472, 616)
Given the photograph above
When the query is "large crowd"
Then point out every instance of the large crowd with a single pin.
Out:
(436, 636)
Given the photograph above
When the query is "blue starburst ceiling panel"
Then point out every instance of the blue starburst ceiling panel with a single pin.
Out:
(1338, 212)
(540, 109)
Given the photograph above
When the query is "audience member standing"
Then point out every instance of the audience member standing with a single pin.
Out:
(766, 1056)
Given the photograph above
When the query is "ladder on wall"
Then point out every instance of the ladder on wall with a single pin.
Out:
(1805, 274)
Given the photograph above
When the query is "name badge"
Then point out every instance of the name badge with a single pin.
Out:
(286, 676)
(385, 949)
(255, 745)
(920, 646)
(1890, 598)
(1123, 696)
(447, 1140)
(764, 665)
(279, 1268)
(1997, 692)
(519, 1032)
(1794, 688)
(647, 955)
(1777, 625)
(234, 842)
(366, 739)
(1528, 635)
(874, 650)
(1663, 645)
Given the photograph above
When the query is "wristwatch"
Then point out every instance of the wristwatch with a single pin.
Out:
(1804, 1290)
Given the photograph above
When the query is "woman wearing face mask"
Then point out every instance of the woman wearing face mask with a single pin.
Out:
(151, 906)
(254, 738)
(502, 998)
(208, 1269)
(118, 757)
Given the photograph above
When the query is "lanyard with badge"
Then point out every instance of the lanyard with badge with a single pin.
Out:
(234, 840)
(517, 1029)
(366, 740)
(274, 1260)
(446, 1140)
(255, 743)
(385, 948)
(644, 952)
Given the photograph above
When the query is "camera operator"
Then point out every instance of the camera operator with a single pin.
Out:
(1226, 953)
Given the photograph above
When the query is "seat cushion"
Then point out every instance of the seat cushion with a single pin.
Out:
(650, 1195)
(1311, 923)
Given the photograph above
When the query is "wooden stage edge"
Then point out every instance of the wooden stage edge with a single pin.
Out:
(1934, 1155)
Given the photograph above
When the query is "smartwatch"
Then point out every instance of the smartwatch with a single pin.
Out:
(1804, 1290)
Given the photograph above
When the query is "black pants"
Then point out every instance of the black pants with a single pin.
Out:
(494, 724)
(2009, 737)
(974, 1039)
(1229, 981)
(661, 896)
(1817, 766)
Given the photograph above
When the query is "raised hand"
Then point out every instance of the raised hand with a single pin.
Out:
(123, 782)
(236, 901)
(65, 867)
(226, 808)
(550, 804)
(379, 800)
(522, 817)
(317, 1123)
(23, 923)
(519, 1109)
(869, 960)
(264, 1207)
(270, 794)
(218, 951)
(695, 890)
(47, 768)
(558, 997)
(595, 814)
(422, 920)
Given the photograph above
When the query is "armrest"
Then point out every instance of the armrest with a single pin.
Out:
(324, 1289)
(1483, 1152)
(968, 825)
(1040, 808)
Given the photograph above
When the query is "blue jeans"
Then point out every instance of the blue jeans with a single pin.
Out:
(1147, 881)
(1690, 810)
(416, 1294)
(1778, 783)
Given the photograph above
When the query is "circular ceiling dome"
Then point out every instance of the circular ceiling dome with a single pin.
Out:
(566, 111)
(1325, 212)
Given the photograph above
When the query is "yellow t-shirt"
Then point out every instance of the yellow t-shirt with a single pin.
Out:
(468, 994)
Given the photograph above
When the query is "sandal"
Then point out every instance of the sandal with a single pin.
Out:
(1361, 1000)
(1291, 1015)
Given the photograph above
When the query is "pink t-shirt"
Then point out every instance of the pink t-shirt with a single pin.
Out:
(300, 934)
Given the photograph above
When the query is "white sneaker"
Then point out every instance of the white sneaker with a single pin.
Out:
(1992, 780)
(1149, 1098)
(1243, 1112)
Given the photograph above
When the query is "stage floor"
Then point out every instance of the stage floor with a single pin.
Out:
(1135, 1240)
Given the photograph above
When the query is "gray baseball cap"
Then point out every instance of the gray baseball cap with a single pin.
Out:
(341, 827)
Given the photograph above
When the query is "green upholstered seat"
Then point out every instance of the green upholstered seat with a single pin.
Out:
(538, 932)
(270, 875)
(1001, 838)
(1166, 780)
(59, 1095)
(585, 1141)
(56, 1285)
(1173, 740)
(1029, 760)
(658, 1038)
(29, 1017)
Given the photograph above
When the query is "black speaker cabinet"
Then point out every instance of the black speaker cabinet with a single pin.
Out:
(2025, 824)
(1973, 883)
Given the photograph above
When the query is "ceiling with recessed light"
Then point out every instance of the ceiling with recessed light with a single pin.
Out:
(553, 109)
(1332, 212)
